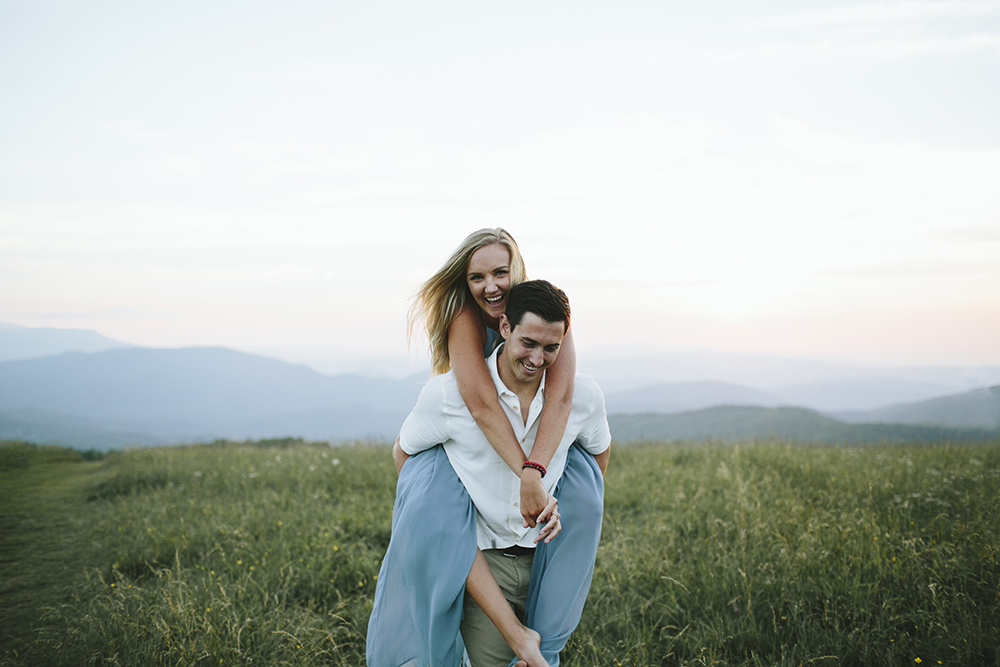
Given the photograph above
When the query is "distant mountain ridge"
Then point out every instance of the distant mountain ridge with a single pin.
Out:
(819, 385)
(47, 427)
(685, 396)
(727, 422)
(142, 396)
(979, 407)
(18, 342)
(202, 393)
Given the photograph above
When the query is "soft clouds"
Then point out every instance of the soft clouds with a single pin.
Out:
(290, 182)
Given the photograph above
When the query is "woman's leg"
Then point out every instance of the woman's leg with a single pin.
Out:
(418, 597)
(482, 587)
(562, 570)
(419, 593)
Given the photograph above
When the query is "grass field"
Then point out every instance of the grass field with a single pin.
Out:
(712, 554)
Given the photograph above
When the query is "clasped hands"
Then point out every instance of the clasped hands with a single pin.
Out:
(538, 505)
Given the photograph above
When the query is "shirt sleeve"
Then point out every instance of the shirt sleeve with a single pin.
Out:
(595, 436)
(427, 423)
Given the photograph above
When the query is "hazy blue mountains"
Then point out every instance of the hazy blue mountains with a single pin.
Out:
(18, 342)
(43, 426)
(684, 396)
(825, 387)
(979, 407)
(728, 422)
(161, 395)
(106, 395)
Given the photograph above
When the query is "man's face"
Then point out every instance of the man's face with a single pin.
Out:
(531, 347)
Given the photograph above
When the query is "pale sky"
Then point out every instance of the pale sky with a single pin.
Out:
(808, 179)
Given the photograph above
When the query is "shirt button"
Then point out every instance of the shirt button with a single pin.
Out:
(515, 504)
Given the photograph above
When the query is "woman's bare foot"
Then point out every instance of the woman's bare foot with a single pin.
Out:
(526, 647)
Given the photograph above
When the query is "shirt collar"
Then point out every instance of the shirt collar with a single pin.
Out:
(502, 389)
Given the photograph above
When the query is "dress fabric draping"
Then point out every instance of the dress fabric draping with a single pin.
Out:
(421, 584)
(418, 596)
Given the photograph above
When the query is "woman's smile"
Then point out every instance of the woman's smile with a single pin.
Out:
(488, 277)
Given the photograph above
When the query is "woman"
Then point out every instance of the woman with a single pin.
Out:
(461, 306)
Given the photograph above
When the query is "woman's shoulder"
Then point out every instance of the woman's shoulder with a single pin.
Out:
(468, 323)
(467, 339)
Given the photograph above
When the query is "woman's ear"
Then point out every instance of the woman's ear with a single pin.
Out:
(504, 327)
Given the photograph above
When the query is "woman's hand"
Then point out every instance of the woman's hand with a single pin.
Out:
(550, 517)
(534, 497)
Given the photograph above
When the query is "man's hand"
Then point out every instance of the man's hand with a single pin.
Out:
(398, 455)
(602, 460)
(550, 517)
(534, 497)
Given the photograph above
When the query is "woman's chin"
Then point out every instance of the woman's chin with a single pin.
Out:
(493, 311)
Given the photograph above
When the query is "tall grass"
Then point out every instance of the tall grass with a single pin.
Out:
(41, 533)
(764, 554)
(228, 555)
(787, 555)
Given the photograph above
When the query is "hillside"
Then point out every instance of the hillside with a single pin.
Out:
(763, 553)
(978, 408)
(819, 385)
(684, 396)
(859, 393)
(43, 426)
(139, 396)
(787, 423)
(199, 393)
(17, 342)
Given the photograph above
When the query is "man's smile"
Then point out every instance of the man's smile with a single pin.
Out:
(528, 367)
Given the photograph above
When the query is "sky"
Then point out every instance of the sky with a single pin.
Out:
(808, 179)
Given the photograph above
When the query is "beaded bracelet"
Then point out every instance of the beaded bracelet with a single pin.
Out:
(537, 466)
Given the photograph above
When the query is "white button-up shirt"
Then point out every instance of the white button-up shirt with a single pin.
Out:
(440, 417)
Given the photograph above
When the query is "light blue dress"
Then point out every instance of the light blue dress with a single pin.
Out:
(421, 584)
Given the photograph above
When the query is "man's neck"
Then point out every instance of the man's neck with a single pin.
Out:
(525, 391)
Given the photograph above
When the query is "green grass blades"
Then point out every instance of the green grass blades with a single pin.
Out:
(711, 554)
(43, 524)
(773, 554)
(226, 554)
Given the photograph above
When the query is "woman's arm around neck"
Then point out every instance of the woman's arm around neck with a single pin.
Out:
(466, 338)
(559, 378)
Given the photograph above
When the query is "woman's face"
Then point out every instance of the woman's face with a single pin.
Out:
(488, 277)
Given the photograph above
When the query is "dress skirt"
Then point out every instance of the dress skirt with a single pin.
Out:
(421, 584)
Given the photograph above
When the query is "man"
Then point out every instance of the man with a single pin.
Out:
(533, 326)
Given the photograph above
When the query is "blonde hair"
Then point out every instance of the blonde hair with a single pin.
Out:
(442, 297)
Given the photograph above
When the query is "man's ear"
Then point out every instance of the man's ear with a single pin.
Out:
(504, 326)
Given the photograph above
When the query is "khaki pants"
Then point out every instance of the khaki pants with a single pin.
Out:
(483, 642)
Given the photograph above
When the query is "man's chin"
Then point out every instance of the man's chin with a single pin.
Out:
(525, 375)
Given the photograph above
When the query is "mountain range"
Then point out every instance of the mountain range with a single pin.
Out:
(730, 422)
(18, 342)
(110, 395)
(200, 394)
(822, 386)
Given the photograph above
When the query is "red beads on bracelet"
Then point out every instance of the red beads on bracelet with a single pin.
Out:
(534, 464)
